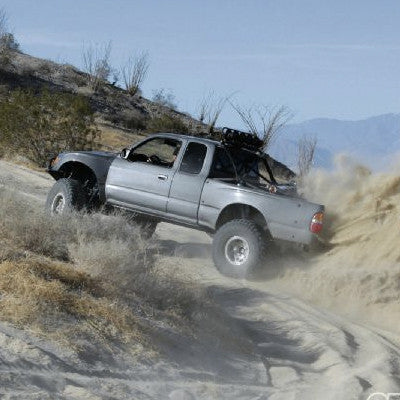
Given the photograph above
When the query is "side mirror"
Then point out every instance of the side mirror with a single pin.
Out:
(125, 153)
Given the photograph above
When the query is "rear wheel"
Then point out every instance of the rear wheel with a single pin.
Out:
(238, 248)
(66, 195)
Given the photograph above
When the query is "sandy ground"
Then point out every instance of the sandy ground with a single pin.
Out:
(299, 350)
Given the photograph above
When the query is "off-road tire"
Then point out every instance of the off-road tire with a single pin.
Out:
(254, 239)
(68, 192)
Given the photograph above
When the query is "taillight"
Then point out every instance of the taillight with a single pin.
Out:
(316, 222)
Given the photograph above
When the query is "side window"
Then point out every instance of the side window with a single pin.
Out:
(222, 166)
(193, 160)
(157, 151)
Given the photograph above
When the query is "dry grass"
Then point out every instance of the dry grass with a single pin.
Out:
(85, 274)
(60, 302)
(20, 160)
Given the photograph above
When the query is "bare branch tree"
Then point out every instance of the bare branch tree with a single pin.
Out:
(203, 107)
(3, 22)
(7, 40)
(210, 109)
(164, 97)
(215, 112)
(306, 152)
(134, 72)
(264, 121)
(96, 63)
(115, 76)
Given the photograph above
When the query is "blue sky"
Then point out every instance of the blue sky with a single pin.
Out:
(321, 58)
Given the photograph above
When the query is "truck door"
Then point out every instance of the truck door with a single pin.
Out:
(188, 182)
(143, 181)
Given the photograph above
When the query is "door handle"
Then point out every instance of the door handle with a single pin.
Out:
(162, 177)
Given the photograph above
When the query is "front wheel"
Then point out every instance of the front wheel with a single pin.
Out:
(66, 195)
(238, 248)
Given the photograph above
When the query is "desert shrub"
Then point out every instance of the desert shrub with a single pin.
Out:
(39, 291)
(30, 228)
(114, 250)
(8, 44)
(96, 64)
(41, 125)
(128, 122)
(134, 72)
(264, 121)
(134, 123)
(305, 154)
(80, 80)
(210, 109)
(164, 98)
(167, 123)
(46, 69)
(129, 119)
(133, 267)
(61, 302)
(8, 41)
(106, 247)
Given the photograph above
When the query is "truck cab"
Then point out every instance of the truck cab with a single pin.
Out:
(162, 176)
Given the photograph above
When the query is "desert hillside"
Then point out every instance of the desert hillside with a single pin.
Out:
(112, 104)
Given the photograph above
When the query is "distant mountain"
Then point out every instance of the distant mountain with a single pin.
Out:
(373, 140)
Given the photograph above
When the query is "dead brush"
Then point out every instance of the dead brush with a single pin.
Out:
(131, 265)
(104, 246)
(30, 228)
(27, 228)
(43, 294)
(110, 280)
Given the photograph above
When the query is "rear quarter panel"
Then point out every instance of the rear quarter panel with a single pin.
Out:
(288, 218)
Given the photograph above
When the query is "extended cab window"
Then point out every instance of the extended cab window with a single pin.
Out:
(157, 151)
(193, 160)
(222, 166)
(242, 164)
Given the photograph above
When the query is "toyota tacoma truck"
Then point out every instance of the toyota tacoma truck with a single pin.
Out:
(225, 187)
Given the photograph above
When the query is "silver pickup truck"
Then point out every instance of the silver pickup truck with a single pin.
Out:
(223, 187)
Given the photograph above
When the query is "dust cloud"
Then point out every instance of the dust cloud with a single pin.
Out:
(358, 271)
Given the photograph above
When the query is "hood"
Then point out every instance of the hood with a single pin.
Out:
(106, 154)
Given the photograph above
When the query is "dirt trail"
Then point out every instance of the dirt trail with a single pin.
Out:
(298, 350)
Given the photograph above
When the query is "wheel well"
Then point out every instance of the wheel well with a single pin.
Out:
(234, 211)
(80, 172)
